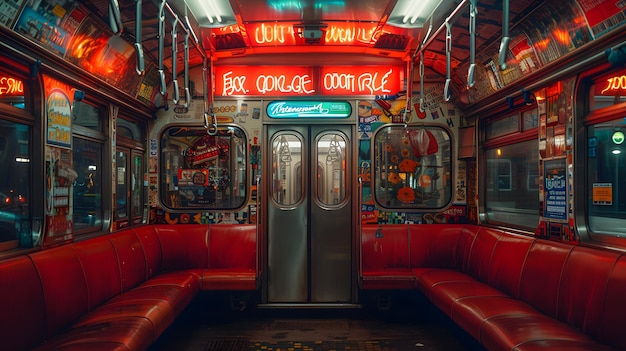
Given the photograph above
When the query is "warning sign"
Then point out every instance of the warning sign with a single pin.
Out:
(602, 193)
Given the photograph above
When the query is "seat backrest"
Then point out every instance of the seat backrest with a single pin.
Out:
(434, 245)
(183, 246)
(64, 286)
(583, 287)
(102, 270)
(507, 262)
(131, 257)
(384, 246)
(541, 274)
(481, 253)
(232, 246)
(23, 323)
(614, 309)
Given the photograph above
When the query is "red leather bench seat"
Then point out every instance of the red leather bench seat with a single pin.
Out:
(119, 291)
(508, 291)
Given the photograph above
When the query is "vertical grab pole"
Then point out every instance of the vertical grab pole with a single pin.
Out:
(504, 45)
(446, 90)
(472, 33)
(186, 78)
(210, 121)
(176, 94)
(162, 84)
(140, 65)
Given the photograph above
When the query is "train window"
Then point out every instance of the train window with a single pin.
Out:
(510, 171)
(606, 174)
(14, 188)
(129, 199)
(331, 177)
(286, 186)
(201, 171)
(412, 167)
(87, 157)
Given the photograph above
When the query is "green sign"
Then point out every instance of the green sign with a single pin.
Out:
(309, 109)
(618, 137)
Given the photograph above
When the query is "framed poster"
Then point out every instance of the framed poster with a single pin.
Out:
(555, 189)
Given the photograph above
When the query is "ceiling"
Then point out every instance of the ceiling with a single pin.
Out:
(236, 44)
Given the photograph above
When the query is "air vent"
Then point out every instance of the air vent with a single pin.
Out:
(391, 42)
(229, 41)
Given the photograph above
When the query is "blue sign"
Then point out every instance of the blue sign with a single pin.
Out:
(309, 109)
(555, 186)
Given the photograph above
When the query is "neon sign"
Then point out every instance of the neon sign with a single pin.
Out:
(614, 85)
(306, 81)
(10, 86)
(271, 34)
(309, 109)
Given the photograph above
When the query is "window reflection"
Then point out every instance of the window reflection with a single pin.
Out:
(286, 169)
(331, 173)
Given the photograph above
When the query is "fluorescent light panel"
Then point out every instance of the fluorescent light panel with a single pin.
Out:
(412, 13)
(212, 13)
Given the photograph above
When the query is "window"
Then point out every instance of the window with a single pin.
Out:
(412, 167)
(15, 195)
(510, 172)
(606, 167)
(129, 198)
(203, 172)
(87, 157)
(605, 158)
(287, 158)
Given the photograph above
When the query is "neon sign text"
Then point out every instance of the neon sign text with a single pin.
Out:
(301, 81)
(615, 84)
(11, 86)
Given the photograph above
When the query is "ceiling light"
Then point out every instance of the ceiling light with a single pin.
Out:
(412, 13)
(212, 14)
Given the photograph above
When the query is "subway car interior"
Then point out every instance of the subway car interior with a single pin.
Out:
(312, 175)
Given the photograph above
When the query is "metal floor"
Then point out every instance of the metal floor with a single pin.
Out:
(209, 326)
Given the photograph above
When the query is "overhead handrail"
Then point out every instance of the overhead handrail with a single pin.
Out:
(504, 45)
(115, 18)
(472, 33)
(162, 83)
(140, 65)
(176, 95)
(449, 19)
(409, 94)
(426, 38)
(446, 89)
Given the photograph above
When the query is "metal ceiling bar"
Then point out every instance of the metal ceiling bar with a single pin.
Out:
(504, 45)
(446, 89)
(472, 34)
(176, 92)
(140, 63)
(442, 27)
(162, 83)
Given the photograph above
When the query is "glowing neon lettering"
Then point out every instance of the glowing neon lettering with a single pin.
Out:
(371, 82)
(11, 86)
(299, 84)
(615, 83)
(233, 85)
(272, 34)
(333, 81)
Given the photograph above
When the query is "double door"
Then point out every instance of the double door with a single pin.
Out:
(309, 214)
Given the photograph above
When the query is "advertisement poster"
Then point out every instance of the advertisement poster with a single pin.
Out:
(59, 113)
(8, 11)
(59, 179)
(555, 189)
(41, 23)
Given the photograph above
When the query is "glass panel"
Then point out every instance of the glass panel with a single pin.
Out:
(87, 189)
(511, 181)
(121, 185)
(86, 115)
(331, 170)
(606, 173)
(608, 91)
(203, 171)
(286, 184)
(502, 126)
(14, 186)
(412, 167)
(136, 190)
